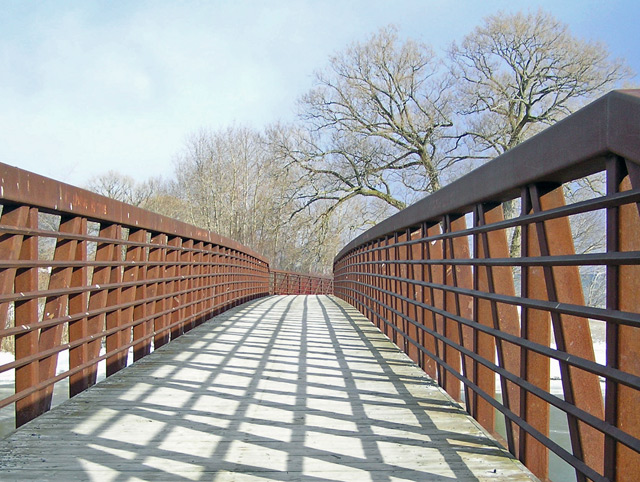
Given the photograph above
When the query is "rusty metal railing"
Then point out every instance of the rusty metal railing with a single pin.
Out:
(290, 283)
(439, 280)
(94, 278)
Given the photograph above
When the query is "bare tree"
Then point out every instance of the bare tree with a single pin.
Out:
(124, 188)
(375, 125)
(232, 182)
(517, 74)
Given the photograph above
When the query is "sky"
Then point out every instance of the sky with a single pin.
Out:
(88, 86)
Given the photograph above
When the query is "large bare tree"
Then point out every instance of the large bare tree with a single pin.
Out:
(519, 73)
(375, 125)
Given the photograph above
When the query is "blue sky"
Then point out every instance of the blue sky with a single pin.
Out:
(88, 86)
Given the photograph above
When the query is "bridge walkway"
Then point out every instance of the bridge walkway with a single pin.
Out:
(281, 388)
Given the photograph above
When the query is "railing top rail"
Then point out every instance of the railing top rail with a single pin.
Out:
(24, 187)
(574, 147)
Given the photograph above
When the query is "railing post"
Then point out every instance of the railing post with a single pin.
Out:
(135, 275)
(157, 271)
(458, 276)
(57, 306)
(26, 344)
(98, 300)
(115, 341)
(432, 250)
(623, 342)
(414, 292)
(79, 329)
(186, 284)
(403, 287)
(499, 280)
(534, 367)
(380, 284)
(172, 287)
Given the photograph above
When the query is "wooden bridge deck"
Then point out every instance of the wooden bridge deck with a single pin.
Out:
(281, 388)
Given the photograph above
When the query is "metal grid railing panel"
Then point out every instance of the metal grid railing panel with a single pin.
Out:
(494, 326)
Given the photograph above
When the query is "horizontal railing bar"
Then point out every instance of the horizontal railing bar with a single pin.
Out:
(111, 286)
(25, 328)
(613, 258)
(601, 314)
(106, 264)
(43, 233)
(610, 201)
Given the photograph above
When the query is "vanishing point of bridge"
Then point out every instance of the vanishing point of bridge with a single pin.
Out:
(431, 354)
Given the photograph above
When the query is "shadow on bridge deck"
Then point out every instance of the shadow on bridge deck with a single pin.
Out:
(281, 388)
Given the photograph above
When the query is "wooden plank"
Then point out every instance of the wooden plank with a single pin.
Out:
(280, 388)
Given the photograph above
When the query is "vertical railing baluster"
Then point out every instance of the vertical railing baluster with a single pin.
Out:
(217, 276)
(623, 342)
(26, 312)
(198, 284)
(379, 284)
(79, 329)
(57, 306)
(157, 271)
(535, 367)
(224, 276)
(98, 299)
(115, 341)
(423, 313)
(172, 287)
(459, 305)
(137, 274)
(208, 280)
(387, 285)
(572, 333)
(433, 252)
(414, 293)
(495, 279)
(188, 285)
(403, 288)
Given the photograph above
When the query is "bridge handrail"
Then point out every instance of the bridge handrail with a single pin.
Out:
(439, 279)
(293, 283)
(98, 278)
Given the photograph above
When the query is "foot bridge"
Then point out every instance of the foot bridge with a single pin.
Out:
(434, 352)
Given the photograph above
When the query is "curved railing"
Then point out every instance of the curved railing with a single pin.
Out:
(439, 280)
(291, 283)
(95, 279)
